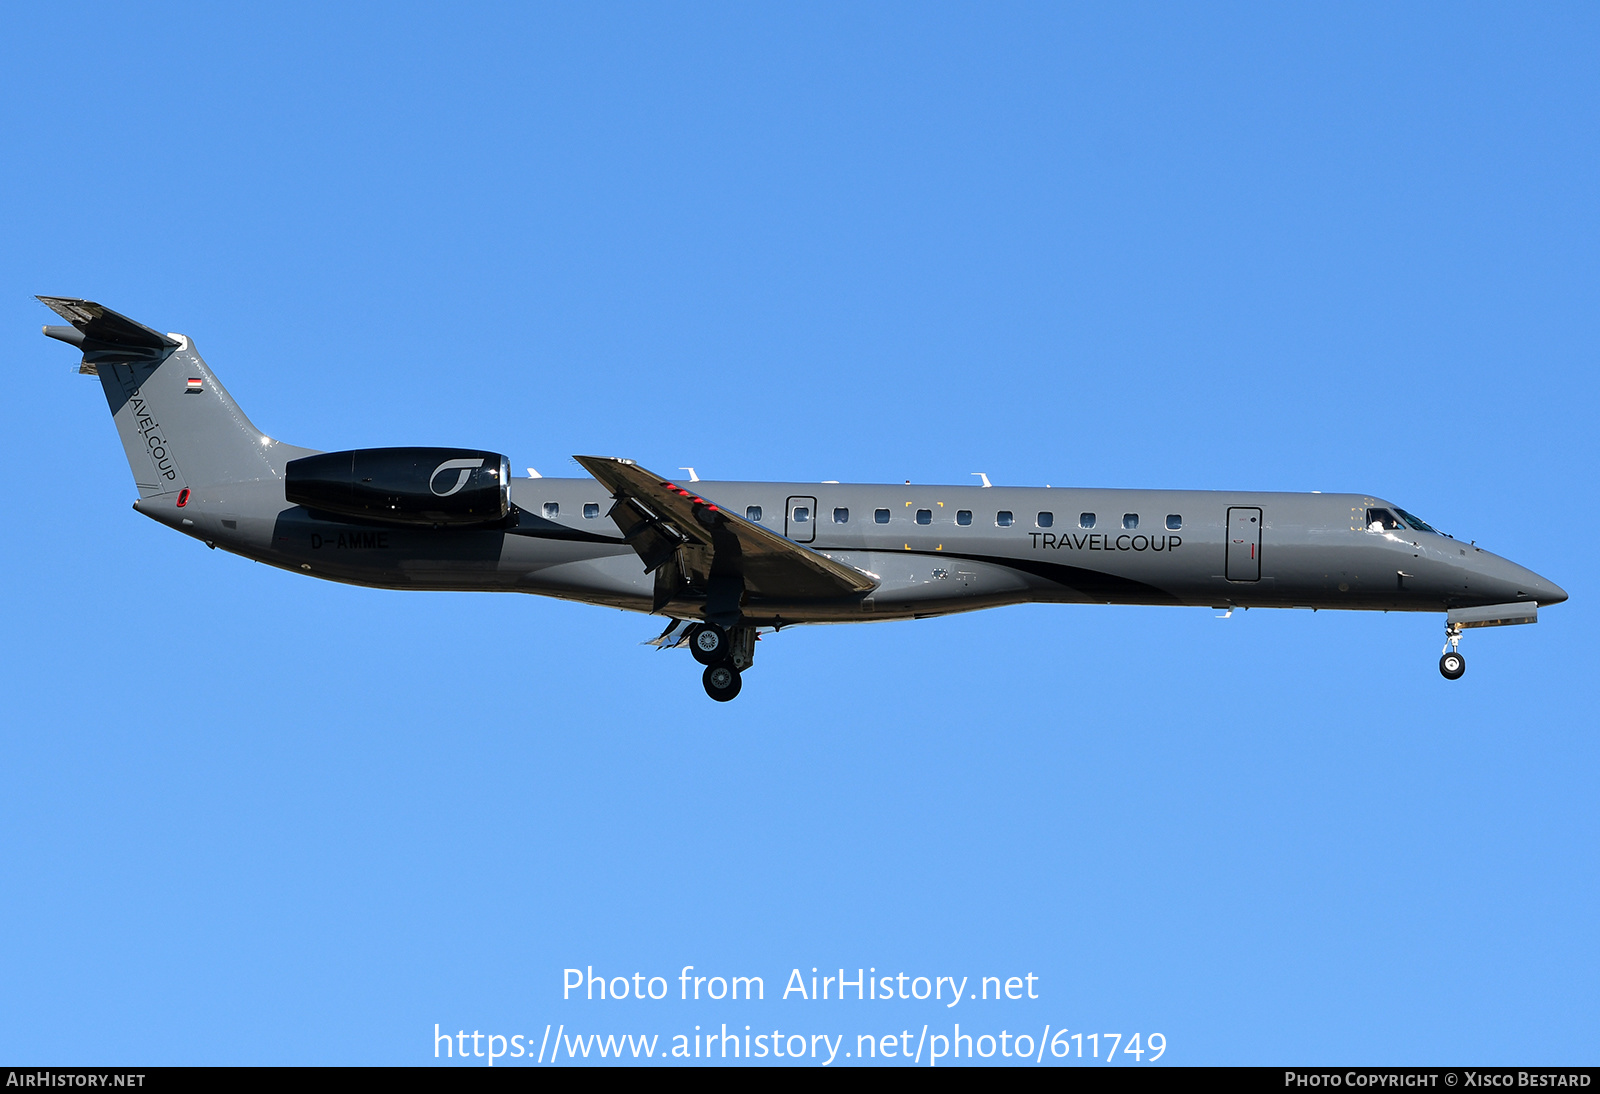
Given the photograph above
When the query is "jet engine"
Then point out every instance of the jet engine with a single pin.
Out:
(426, 486)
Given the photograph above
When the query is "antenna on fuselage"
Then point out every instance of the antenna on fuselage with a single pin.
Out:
(692, 476)
(982, 476)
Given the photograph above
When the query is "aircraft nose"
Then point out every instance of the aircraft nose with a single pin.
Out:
(1507, 581)
(1548, 592)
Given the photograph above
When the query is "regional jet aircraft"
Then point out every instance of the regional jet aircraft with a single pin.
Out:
(723, 562)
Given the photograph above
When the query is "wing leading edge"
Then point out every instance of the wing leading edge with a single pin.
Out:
(664, 523)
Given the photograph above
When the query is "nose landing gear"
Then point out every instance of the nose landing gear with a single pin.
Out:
(1452, 665)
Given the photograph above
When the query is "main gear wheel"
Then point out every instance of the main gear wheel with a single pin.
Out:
(722, 681)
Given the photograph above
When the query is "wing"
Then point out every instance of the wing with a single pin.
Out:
(663, 521)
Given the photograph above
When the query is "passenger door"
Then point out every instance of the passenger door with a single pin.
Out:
(1244, 544)
(800, 519)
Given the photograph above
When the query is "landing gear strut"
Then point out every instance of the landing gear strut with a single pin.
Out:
(1452, 665)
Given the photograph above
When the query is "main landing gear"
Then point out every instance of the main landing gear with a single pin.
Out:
(725, 654)
(1452, 665)
(722, 681)
(709, 644)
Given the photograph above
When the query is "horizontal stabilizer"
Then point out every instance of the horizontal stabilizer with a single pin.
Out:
(102, 328)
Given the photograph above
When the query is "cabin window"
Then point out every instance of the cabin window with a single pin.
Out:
(1381, 520)
(1085, 520)
(1130, 520)
(841, 516)
(1174, 521)
(752, 512)
(924, 516)
(963, 516)
(1003, 518)
(1046, 520)
(802, 514)
(591, 509)
(552, 510)
(881, 516)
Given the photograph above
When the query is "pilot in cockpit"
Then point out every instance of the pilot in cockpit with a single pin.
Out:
(1381, 520)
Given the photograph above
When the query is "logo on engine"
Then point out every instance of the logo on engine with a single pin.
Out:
(465, 467)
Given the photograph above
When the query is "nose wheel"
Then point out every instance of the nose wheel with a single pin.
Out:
(1452, 666)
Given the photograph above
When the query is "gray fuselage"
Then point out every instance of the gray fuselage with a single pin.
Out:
(1061, 545)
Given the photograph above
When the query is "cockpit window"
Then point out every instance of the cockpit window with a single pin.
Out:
(1417, 522)
(1382, 520)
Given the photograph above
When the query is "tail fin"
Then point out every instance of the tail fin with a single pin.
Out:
(180, 428)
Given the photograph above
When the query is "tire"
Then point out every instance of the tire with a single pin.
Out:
(722, 681)
(1452, 665)
(709, 644)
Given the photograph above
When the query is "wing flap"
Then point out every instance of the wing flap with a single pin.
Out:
(655, 540)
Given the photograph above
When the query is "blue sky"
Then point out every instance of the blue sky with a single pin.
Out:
(252, 818)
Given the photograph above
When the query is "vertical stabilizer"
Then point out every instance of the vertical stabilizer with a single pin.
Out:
(179, 427)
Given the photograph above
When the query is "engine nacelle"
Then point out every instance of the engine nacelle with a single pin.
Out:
(427, 486)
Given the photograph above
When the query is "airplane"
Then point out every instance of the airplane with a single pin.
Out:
(727, 562)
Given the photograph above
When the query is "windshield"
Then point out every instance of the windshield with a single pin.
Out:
(1417, 522)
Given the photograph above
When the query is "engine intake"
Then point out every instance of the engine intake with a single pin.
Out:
(426, 486)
